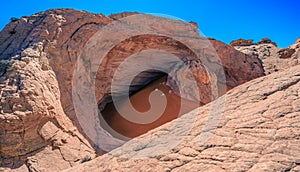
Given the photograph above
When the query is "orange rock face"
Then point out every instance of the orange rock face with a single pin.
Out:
(241, 42)
(235, 61)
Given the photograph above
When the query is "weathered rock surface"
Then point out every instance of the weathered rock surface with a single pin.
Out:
(258, 131)
(274, 58)
(34, 130)
(31, 114)
(38, 54)
(239, 68)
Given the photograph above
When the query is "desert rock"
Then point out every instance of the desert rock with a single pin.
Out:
(241, 42)
(39, 130)
(274, 58)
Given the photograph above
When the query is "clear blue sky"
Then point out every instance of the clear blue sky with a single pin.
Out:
(223, 20)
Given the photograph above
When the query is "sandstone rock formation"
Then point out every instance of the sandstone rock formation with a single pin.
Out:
(274, 58)
(234, 63)
(38, 55)
(258, 131)
(35, 133)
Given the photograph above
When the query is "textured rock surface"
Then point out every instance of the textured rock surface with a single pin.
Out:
(239, 68)
(258, 131)
(32, 113)
(33, 123)
(274, 58)
(38, 54)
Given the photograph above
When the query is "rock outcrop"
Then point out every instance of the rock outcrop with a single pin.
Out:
(274, 58)
(267, 41)
(241, 42)
(35, 133)
(234, 63)
(257, 131)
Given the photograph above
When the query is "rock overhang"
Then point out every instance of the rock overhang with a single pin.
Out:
(50, 43)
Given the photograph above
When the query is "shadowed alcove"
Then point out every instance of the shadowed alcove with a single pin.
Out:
(149, 81)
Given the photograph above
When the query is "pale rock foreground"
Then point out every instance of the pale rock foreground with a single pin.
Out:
(259, 131)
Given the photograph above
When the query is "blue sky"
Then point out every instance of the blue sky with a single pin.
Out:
(223, 20)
